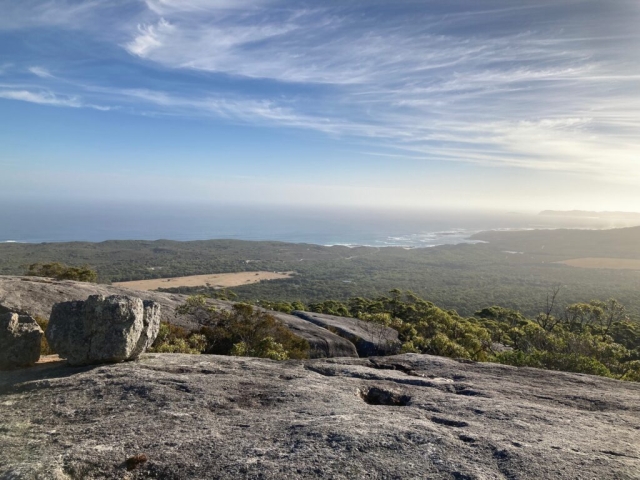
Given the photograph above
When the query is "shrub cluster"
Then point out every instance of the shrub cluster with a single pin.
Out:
(242, 330)
(595, 337)
(60, 271)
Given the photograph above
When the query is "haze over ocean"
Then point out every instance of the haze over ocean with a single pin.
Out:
(96, 222)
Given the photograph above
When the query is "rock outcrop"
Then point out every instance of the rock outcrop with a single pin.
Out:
(369, 338)
(323, 343)
(399, 417)
(20, 340)
(103, 329)
(38, 295)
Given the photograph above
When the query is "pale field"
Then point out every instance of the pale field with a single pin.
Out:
(49, 359)
(614, 263)
(217, 280)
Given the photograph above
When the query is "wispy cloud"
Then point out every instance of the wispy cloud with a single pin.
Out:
(164, 7)
(34, 13)
(49, 98)
(43, 98)
(40, 72)
(536, 85)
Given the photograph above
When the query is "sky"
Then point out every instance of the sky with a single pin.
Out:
(475, 104)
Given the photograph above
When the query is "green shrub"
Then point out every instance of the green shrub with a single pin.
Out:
(60, 271)
(554, 361)
(45, 349)
(241, 331)
(174, 339)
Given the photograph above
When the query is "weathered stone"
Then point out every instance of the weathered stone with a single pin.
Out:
(399, 417)
(323, 343)
(20, 340)
(369, 338)
(103, 330)
(38, 295)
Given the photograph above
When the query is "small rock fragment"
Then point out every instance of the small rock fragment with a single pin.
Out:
(134, 462)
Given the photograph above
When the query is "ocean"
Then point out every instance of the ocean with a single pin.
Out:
(92, 222)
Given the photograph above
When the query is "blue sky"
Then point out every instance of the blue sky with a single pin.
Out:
(463, 103)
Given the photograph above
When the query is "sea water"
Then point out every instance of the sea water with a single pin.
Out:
(95, 222)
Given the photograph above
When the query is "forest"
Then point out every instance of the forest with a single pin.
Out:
(512, 269)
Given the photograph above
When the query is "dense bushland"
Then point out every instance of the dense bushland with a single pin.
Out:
(463, 277)
(595, 337)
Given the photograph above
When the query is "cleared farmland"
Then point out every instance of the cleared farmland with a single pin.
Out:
(217, 280)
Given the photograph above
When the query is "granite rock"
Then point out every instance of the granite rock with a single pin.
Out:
(103, 329)
(20, 340)
(398, 417)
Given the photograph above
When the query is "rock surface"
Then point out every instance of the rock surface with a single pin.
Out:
(402, 417)
(323, 343)
(20, 340)
(369, 338)
(103, 329)
(38, 295)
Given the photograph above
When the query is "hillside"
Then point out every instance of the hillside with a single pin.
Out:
(564, 244)
(631, 216)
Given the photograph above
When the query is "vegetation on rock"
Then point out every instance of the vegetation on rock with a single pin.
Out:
(594, 337)
(45, 348)
(242, 331)
(60, 271)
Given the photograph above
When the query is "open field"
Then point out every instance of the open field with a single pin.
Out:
(218, 280)
(614, 263)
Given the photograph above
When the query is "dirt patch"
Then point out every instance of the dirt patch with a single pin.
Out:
(613, 263)
(217, 280)
(49, 359)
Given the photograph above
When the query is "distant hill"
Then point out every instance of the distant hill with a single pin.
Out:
(589, 214)
(565, 243)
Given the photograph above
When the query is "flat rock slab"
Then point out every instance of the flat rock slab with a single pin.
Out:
(36, 296)
(401, 417)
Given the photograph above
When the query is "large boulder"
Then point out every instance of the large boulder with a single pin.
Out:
(103, 329)
(20, 340)
(369, 338)
(322, 343)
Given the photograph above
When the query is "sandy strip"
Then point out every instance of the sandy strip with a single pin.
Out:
(218, 280)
